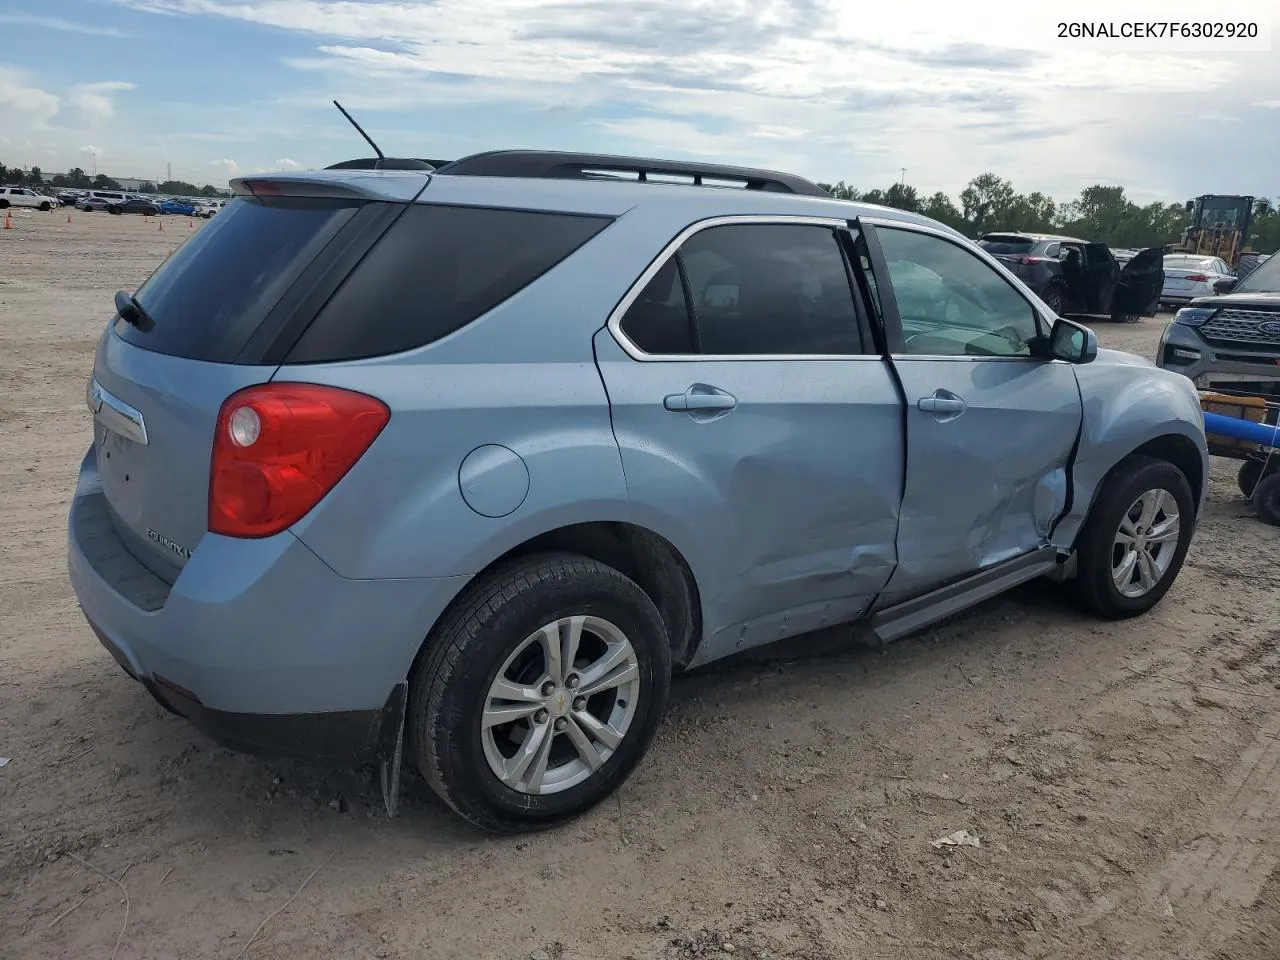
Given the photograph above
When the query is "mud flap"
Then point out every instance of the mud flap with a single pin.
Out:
(391, 748)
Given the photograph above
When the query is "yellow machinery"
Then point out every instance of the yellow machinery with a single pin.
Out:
(1219, 227)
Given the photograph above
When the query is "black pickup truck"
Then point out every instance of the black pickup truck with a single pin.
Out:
(1075, 276)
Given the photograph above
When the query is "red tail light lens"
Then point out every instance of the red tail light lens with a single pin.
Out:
(1030, 261)
(1197, 277)
(279, 448)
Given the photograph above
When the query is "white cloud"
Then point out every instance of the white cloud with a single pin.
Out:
(831, 88)
(58, 23)
(228, 167)
(91, 151)
(89, 104)
(287, 164)
(21, 103)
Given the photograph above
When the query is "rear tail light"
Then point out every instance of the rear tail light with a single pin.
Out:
(279, 448)
(1196, 277)
(1029, 261)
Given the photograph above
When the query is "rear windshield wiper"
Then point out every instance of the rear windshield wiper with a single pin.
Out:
(131, 311)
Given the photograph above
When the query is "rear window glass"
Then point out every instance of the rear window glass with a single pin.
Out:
(437, 269)
(1006, 244)
(211, 295)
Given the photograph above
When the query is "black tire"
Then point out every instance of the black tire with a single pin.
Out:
(4, 204)
(46, 206)
(1054, 298)
(449, 685)
(116, 211)
(1266, 499)
(1248, 477)
(1095, 552)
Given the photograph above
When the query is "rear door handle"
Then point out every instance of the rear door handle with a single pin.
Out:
(943, 403)
(700, 397)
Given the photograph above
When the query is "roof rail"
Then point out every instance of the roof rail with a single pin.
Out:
(385, 163)
(538, 164)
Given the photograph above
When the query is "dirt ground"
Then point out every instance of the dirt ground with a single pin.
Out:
(1124, 779)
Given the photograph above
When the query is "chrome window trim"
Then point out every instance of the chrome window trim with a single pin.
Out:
(614, 323)
(1038, 310)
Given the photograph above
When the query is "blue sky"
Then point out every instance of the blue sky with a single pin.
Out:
(832, 89)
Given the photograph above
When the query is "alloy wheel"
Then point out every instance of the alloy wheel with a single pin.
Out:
(1145, 543)
(561, 705)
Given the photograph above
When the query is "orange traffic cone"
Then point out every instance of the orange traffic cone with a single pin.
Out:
(162, 226)
(190, 223)
(68, 218)
(8, 220)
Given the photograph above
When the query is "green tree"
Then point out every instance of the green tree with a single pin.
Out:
(939, 207)
(985, 203)
(103, 182)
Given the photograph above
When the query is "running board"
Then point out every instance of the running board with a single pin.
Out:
(896, 622)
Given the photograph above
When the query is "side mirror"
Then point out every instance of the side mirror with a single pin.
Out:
(1072, 342)
(1225, 285)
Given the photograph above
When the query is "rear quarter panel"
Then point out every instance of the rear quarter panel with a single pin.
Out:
(1127, 403)
(523, 377)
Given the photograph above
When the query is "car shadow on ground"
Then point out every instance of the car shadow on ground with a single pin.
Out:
(149, 751)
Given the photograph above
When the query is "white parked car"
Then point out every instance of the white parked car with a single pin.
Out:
(25, 197)
(206, 208)
(1187, 276)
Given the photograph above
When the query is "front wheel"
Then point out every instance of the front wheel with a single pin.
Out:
(1135, 539)
(115, 210)
(4, 204)
(539, 692)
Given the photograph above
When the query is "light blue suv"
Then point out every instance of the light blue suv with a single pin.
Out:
(462, 463)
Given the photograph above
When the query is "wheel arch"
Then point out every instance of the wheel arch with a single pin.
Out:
(648, 558)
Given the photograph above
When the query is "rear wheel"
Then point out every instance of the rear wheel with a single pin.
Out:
(46, 206)
(115, 210)
(4, 204)
(539, 693)
(1135, 539)
(1054, 299)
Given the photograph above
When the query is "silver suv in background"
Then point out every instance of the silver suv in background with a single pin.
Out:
(459, 464)
(1231, 339)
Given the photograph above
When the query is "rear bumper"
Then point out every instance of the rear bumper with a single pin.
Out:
(346, 736)
(258, 642)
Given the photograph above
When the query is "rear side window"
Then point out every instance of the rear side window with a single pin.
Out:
(754, 289)
(211, 295)
(658, 320)
(435, 270)
(771, 289)
(997, 245)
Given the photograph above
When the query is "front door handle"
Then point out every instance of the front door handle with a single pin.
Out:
(700, 397)
(943, 404)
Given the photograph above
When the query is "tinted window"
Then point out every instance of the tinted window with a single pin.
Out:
(658, 320)
(210, 296)
(437, 269)
(995, 244)
(770, 289)
(951, 303)
(1264, 279)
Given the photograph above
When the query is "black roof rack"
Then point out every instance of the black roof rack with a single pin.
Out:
(387, 163)
(538, 164)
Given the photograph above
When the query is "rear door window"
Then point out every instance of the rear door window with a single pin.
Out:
(211, 295)
(771, 289)
(437, 269)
